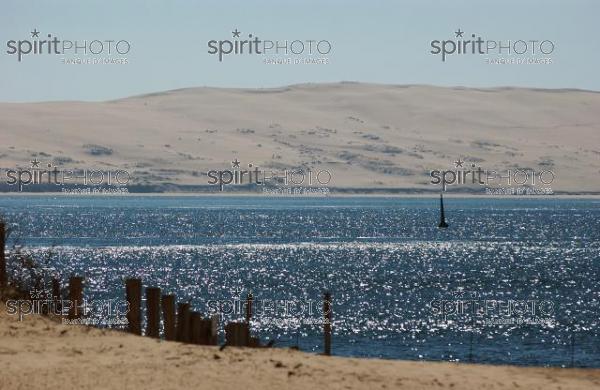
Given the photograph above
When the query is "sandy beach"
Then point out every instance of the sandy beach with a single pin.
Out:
(39, 353)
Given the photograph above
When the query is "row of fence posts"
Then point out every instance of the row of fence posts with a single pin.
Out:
(181, 325)
(2, 254)
(178, 325)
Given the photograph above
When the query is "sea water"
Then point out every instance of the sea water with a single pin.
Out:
(512, 280)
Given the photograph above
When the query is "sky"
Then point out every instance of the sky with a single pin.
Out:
(386, 42)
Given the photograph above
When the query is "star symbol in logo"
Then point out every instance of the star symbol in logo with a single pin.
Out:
(237, 290)
(458, 163)
(459, 34)
(35, 163)
(236, 33)
(35, 33)
(235, 163)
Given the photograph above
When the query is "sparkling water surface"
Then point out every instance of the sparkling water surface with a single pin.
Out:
(385, 262)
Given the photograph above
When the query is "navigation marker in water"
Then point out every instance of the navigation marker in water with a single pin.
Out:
(443, 223)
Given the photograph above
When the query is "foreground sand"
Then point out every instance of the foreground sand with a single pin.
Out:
(38, 353)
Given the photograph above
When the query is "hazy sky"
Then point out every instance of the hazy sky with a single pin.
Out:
(373, 41)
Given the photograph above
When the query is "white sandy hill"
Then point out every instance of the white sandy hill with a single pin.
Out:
(367, 136)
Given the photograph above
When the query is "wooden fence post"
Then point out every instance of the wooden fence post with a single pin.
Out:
(3, 278)
(183, 322)
(244, 334)
(153, 312)
(195, 327)
(230, 334)
(168, 308)
(133, 291)
(249, 300)
(56, 297)
(75, 296)
(236, 334)
(214, 330)
(206, 331)
(327, 324)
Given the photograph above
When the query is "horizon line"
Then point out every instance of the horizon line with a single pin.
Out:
(305, 84)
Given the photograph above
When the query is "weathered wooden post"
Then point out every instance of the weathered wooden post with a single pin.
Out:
(168, 309)
(183, 322)
(56, 296)
(236, 334)
(75, 296)
(327, 324)
(243, 332)
(3, 278)
(249, 300)
(230, 338)
(133, 291)
(572, 350)
(214, 330)
(195, 336)
(201, 329)
(153, 312)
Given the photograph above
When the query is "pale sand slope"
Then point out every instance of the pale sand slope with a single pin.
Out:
(366, 135)
(40, 354)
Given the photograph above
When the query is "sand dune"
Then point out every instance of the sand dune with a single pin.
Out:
(38, 353)
(367, 136)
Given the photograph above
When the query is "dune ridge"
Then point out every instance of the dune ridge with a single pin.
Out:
(380, 137)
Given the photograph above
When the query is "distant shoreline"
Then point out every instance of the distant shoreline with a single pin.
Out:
(378, 194)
